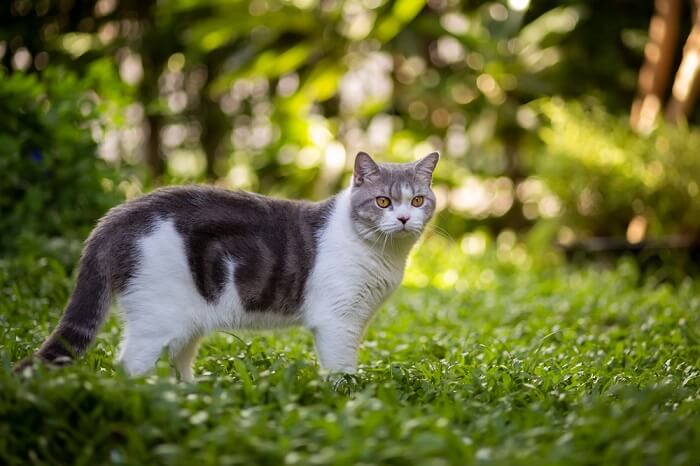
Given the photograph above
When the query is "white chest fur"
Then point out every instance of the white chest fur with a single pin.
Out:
(350, 278)
(349, 281)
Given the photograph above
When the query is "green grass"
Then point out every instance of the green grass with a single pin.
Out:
(498, 358)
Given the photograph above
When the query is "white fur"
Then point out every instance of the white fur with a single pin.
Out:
(348, 282)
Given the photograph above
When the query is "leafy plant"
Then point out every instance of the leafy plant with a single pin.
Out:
(606, 175)
(52, 182)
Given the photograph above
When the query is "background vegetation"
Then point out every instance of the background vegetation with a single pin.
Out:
(277, 97)
(567, 123)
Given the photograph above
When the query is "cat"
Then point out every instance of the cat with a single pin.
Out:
(185, 261)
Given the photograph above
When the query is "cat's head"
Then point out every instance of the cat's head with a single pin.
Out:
(392, 200)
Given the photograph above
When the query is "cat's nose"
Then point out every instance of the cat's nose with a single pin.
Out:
(404, 219)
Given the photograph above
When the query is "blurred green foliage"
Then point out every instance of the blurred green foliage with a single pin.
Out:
(54, 187)
(276, 96)
(605, 175)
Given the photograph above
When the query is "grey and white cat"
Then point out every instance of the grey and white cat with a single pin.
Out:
(183, 262)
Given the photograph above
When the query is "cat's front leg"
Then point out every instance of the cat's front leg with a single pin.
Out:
(337, 343)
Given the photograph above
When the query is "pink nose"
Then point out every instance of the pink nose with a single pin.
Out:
(404, 219)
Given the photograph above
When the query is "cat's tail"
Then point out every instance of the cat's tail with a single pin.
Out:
(84, 314)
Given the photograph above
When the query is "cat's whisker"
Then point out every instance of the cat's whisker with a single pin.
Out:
(369, 232)
(441, 232)
(440, 229)
(377, 229)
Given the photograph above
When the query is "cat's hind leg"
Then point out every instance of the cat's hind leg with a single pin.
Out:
(140, 351)
(147, 330)
(183, 351)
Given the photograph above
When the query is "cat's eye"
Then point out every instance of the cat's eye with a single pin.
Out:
(383, 202)
(417, 201)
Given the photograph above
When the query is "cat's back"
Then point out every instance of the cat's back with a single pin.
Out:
(203, 203)
(263, 246)
(200, 209)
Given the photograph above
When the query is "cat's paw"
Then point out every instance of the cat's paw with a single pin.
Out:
(343, 382)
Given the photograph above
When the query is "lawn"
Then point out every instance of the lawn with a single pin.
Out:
(485, 356)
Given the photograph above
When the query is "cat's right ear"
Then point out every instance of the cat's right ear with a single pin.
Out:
(365, 168)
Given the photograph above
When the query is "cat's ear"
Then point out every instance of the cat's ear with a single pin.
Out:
(426, 166)
(365, 168)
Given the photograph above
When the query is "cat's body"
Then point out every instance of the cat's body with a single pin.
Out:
(183, 262)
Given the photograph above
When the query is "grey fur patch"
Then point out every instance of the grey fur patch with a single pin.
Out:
(85, 311)
(271, 241)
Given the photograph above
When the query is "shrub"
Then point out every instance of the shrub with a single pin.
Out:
(605, 175)
(53, 186)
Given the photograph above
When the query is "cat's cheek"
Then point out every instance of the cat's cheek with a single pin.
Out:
(419, 219)
(368, 218)
(388, 218)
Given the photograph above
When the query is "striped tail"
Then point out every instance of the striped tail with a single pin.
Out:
(85, 313)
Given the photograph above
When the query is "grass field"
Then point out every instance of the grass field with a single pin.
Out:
(493, 357)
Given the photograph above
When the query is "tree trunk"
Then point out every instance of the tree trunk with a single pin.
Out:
(154, 158)
(656, 70)
(215, 123)
(687, 81)
(154, 55)
(214, 128)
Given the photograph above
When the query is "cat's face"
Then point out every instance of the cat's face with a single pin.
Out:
(392, 200)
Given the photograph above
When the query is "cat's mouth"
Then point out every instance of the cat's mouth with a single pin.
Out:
(398, 232)
(403, 231)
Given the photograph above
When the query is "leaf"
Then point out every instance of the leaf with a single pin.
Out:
(402, 12)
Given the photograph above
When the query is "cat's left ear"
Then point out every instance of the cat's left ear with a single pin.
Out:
(365, 168)
(426, 166)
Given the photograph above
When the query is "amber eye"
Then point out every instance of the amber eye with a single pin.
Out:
(383, 202)
(417, 201)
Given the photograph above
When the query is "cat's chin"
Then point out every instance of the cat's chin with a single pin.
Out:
(404, 234)
(395, 237)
